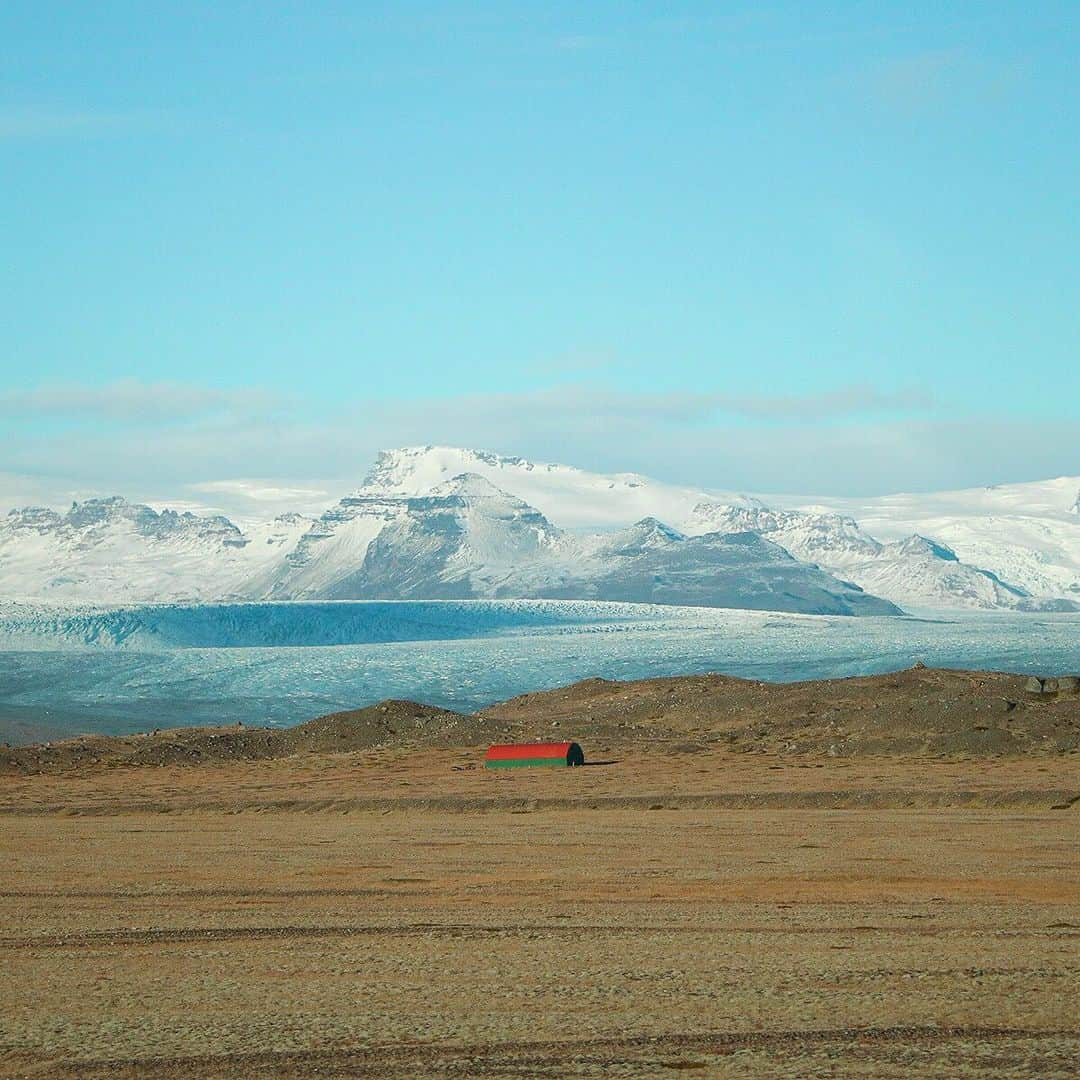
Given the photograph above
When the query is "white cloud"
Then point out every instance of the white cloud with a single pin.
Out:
(577, 403)
(258, 490)
(131, 400)
(918, 83)
(259, 499)
(54, 122)
(846, 401)
(851, 441)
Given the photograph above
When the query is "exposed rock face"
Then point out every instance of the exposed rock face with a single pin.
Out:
(100, 514)
(332, 550)
(916, 570)
(31, 518)
(818, 535)
(469, 539)
(1065, 684)
(739, 570)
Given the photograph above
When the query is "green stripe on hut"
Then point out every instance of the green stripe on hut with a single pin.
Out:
(526, 755)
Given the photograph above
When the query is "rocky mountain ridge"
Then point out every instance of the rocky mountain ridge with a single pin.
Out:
(926, 573)
(504, 526)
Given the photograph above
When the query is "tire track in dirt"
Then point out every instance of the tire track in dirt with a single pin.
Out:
(854, 799)
(190, 935)
(209, 893)
(546, 1058)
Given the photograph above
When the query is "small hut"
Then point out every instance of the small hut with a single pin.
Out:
(522, 755)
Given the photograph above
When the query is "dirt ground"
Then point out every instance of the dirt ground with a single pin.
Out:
(398, 912)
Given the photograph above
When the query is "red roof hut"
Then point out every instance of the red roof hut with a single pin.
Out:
(519, 755)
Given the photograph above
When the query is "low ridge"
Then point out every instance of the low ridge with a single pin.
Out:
(912, 713)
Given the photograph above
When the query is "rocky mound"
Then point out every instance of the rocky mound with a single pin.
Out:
(389, 722)
(918, 712)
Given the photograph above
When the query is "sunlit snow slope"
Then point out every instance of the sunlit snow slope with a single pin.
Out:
(115, 551)
(1026, 534)
(431, 522)
(573, 498)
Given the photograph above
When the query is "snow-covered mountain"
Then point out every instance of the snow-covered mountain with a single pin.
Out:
(1011, 546)
(433, 522)
(330, 554)
(653, 563)
(572, 497)
(1026, 534)
(110, 549)
(468, 539)
(331, 550)
(464, 539)
(923, 572)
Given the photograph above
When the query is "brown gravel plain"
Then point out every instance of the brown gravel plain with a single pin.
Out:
(709, 908)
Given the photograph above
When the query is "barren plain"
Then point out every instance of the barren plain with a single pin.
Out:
(747, 881)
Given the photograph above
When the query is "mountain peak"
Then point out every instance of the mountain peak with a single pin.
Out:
(655, 527)
(471, 485)
(105, 509)
(917, 544)
(415, 469)
(648, 533)
(39, 518)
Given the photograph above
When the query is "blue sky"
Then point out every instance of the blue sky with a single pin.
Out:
(768, 246)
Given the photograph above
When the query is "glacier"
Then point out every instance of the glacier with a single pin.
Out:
(112, 670)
